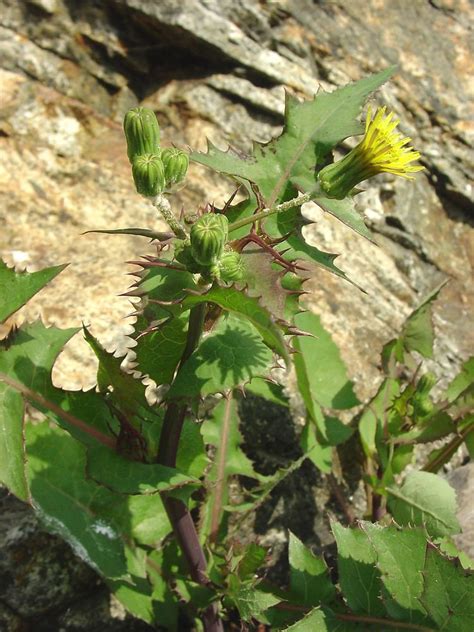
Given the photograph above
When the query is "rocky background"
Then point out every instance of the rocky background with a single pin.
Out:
(70, 69)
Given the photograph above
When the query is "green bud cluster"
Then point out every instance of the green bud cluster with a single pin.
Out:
(153, 170)
(206, 251)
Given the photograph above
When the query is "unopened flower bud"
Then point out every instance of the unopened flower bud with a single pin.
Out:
(176, 163)
(426, 383)
(148, 174)
(231, 266)
(142, 132)
(208, 238)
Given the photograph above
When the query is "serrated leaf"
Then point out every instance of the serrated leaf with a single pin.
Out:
(321, 374)
(28, 356)
(448, 594)
(425, 499)
(131, 477)
(240, 304)
(251, 561)
(314, 620)
(68, 504)
(312, 129)
(448, 547)
(229, 356)
(16, 288)
(159, 352)
(127, 392)
(435, 427)
(317, 449)
(359, 577)
(417, 333)
(310, 583)
(400, 561)
(251, 602)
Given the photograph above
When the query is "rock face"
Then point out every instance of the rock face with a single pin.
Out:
(218, 69)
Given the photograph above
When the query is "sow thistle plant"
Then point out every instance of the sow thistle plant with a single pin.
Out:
(141, 490)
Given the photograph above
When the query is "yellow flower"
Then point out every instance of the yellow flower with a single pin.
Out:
(382, 150)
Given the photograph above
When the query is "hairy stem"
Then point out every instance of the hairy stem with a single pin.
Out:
(164, 207)
(266, 212)
(178, 514)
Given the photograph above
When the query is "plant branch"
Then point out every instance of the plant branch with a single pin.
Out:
(164, 207)
(385, 622)
(448, 450)
(266, 212)
(178, 514)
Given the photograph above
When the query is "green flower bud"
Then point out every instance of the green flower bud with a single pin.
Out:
(148, 174)
(422, 406)
(208, 238)
(231, 266)
(142, 132)
(176, 164)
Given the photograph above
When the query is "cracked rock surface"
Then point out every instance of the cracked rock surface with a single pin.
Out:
(69, 71)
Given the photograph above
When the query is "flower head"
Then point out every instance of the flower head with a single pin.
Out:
(382, 150)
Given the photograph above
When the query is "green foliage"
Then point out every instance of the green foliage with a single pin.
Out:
(16, 288)
(426, 500)
(119, 470)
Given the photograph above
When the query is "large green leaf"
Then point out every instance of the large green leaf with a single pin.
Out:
(27, 358)
(121, 475)
(425, 499)
(448, 594)
(321, 374)
(359, 577)
(239, 303)
(312, 129)
(463, 381)
(68, 504)
(400, 561)
(27, 355)
(372, 419)
(16, 288)
(228, 357)
(310, 583)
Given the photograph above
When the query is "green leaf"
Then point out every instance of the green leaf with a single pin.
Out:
(125, 390)
(311, 130)
(222, 432)
(448, 594)
(16, 288)
(251, 561)
(240, 304)
(417, 333)
(68, 504)
(12, 449)
(228, 357)
(372, 419)
(400, 561)
(131, 477)
(463, 381)
(141, 517)
(321, 374)
(359, 577)
(159, 352)
(251, 602)
(312, 622)
(309, 578)
(317, 449)
(268, 390)
(434, 427)
(27, 357)
(426, 500)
